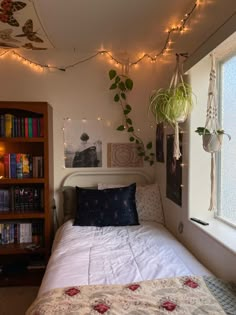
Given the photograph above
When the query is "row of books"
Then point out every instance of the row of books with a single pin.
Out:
(22, 165)
(20, 199)
(13, 126)
(16, 233)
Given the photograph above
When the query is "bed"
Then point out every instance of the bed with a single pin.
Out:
(123, 261)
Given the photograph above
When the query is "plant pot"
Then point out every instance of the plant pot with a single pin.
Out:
(212, 142)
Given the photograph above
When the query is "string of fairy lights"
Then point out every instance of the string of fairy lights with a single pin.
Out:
(180, 27)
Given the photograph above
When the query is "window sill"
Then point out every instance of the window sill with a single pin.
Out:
(219, 231)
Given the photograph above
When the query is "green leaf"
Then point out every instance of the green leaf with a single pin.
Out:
(138, 142)
(149, 145)
(123, 95)
(129, 121)
(128, 107)
(113, 86)
(116, 98)
(126, 111)
(131, 139)
(122, 86)
(152, 154)
(129, 84)
(151, 163)
(112, 74)
(146, 158)
(121, 128)
(117, 79)
(130, 129)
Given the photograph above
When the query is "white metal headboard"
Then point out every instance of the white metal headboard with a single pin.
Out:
(92, 178)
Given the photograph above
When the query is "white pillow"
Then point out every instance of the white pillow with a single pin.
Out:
(148, 201)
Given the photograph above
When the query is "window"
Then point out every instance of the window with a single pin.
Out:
(227, 157)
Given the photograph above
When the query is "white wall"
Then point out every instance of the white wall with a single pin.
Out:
(80, 92)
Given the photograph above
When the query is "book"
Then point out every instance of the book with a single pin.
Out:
(30, 127)
(26, 127)
(2, 126)
(19, 165)
(26, 165)
(6, 162)
(13, 165)
(8, 125)
(35, 126)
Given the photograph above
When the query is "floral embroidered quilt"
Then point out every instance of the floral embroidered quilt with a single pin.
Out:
(178, 296)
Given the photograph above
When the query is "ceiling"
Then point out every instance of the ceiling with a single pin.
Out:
(128, 26)
(131, 26)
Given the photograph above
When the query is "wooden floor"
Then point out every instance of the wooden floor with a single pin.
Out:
(16, 300)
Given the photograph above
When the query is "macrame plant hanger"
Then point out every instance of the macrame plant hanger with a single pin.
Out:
(212, 142)
(175, 80)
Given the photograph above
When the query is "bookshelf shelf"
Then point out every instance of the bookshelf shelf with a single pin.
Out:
(26, 186)
(26, 215)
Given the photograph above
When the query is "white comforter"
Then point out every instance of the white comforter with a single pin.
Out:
(116, 255)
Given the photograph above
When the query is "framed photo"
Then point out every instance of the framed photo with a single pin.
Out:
(82, 143)
(160, 143)
(173, 172)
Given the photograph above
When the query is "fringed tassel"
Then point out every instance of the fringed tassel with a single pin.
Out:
(213, 183)
(177, 153)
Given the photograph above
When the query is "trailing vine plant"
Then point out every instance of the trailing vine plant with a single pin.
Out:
(121, 84)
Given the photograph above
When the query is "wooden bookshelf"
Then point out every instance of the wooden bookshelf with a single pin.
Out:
(23, 218)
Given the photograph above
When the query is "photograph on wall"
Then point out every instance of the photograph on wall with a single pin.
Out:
(160, 143)
(173, 172)
(123, 155)
(83, 143)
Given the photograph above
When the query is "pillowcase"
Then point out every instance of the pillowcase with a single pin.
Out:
(108, 207)
(148, 201)
(69, 202)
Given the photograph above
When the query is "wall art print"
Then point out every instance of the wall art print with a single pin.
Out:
(123, 155)
(173, 171)
(83, 143)
(160, 143)
(20, 26)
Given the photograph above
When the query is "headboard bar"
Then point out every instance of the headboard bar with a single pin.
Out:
(84, 178)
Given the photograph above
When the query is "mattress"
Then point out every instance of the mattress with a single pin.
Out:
(116, 255)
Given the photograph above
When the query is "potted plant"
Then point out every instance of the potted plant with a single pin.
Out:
(171, 105)
(211, 140)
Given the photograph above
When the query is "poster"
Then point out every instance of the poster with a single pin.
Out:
(83, 143)
(173, 172)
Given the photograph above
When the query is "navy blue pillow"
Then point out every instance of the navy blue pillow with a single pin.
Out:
(107, 207)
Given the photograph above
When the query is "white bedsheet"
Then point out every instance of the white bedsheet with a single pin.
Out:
(116, 255)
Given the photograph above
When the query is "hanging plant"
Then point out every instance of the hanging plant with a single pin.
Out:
(211, 141)
(122, 84)
(173, 105)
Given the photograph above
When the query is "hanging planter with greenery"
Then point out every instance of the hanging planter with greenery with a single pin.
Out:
(173, 105)
(122, 84)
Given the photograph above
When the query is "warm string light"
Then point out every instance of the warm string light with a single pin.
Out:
(180, 28)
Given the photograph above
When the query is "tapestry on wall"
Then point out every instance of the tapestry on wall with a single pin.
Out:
(83, 143)
(20, 26)
(123, 155)
(160, 143)
(173, 172)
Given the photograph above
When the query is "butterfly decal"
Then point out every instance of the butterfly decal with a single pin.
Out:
(7, 45)
(6, 35)
(7, 9)
(29, 33)
(30, 46)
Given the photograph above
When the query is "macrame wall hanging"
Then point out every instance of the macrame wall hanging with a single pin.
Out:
(212, 134)
(172, 105)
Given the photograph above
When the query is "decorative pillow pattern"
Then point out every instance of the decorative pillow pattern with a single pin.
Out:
(108, 207)
(148, 201)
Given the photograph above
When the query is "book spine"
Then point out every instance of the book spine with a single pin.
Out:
(30, 127)
(13, 165)
(6, 162)
(35, 126)
(26, 127)
(8, 125)
(19, 165)
(25, 165)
